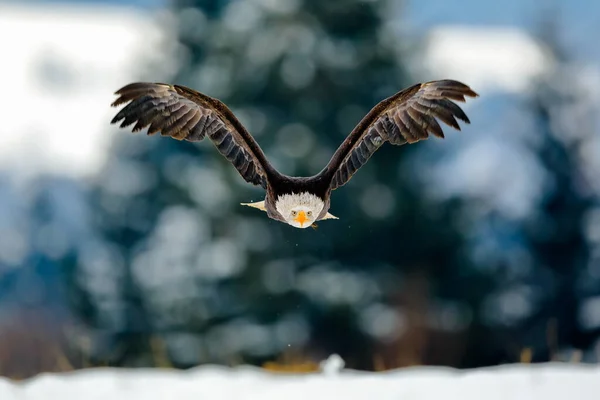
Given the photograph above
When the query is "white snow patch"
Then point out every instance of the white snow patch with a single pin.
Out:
(499, 58)
(589, 314)
(61, 66)
(333, 365)
(521, 381)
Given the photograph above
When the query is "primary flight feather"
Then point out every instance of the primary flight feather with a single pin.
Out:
(185, 114)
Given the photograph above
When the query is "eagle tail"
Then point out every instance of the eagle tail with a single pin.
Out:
(329, 216)
(259, 204)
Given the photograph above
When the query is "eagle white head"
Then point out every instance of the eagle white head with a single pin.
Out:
(299, 210)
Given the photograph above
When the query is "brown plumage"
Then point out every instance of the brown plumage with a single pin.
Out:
(185, 114)
(406, 117)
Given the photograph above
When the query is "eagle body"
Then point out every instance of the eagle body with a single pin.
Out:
(185, 114)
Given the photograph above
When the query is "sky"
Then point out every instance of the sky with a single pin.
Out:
(577, 18)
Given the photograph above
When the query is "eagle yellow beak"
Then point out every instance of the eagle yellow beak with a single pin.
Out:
(301, 218)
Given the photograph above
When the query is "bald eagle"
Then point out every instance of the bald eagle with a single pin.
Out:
(185, 114)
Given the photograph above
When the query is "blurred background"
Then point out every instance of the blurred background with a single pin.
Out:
(126, 250)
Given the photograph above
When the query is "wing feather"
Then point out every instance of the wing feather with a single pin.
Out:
(184, 114)
(407, 117)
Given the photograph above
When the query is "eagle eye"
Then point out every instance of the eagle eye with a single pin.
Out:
(309, 213)
(294, 213)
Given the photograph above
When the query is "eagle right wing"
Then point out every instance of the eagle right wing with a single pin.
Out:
(185, 114)
(406, 117)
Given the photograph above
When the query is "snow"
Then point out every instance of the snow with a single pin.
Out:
(489, 58)
(519, 381)
(58, 85)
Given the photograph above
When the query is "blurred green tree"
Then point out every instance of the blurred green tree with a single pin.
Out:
(558, 234)
(545, 276)
(177, 257)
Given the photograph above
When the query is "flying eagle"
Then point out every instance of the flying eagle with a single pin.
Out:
(185, 114)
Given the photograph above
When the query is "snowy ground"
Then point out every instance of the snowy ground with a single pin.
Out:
(520, 381)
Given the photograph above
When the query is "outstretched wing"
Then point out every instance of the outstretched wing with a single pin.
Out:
(185, 114)
(406, 117)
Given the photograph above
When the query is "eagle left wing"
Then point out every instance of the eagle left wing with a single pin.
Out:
(406, 117)
(185, 114)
